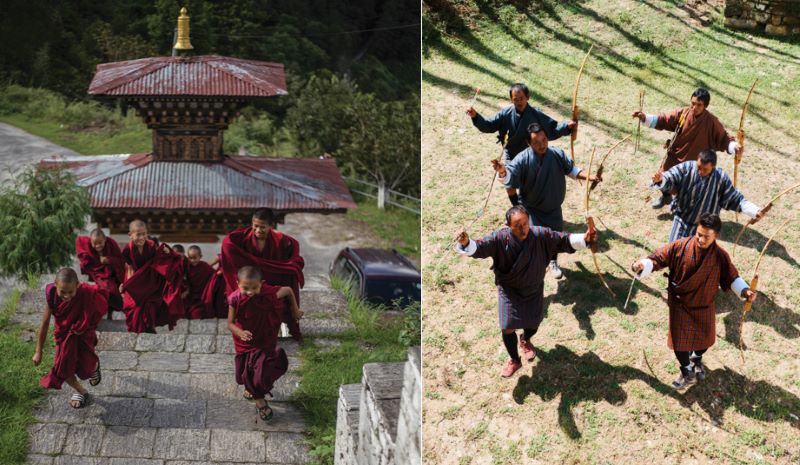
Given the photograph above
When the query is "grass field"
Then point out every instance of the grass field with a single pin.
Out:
(599, 392)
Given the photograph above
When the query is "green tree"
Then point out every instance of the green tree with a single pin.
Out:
(40, 215)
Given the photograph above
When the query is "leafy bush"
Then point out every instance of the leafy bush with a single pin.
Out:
(39, 216)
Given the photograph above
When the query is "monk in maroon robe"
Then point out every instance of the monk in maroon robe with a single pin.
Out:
(275, 253)
(698, 268)
(206, 288)
(153, 283)
(254, 318)
(77, 308)
(101, 259)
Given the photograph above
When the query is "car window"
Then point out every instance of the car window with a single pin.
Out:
(389, 291)
(351, 275)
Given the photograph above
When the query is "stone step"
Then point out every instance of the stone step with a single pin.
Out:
(139, 412)
(61, 444)
(176, 362)
(172, 342)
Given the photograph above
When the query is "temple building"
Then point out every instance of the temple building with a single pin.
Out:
(187, 187)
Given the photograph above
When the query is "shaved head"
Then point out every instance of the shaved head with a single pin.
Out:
(137, 224)
(249, 273)
(97, 233)
(264, 215)
(66, 276)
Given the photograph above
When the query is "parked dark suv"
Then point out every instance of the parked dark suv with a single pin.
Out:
(380, 276)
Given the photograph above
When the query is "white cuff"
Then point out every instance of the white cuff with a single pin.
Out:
(504, 179)
(577, 241)
(738, 286)
(575, 172)
(650, 120)
(749, 208)
(732, 147)
(648, 268)
(470, 249)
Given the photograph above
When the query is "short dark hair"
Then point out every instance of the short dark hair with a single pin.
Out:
(708, 156)
(703, 95)
(265, 215)
(513, 211)
(194, 247)
(711, 221)
(519, 87)
(97, 232)
(533, 128)
(67, 276)
(178, 248)
(249, 273)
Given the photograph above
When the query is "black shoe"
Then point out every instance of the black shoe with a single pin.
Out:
(665, 199)
(684, 380)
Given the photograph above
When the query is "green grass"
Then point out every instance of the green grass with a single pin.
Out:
(397, 228)
(19, 384)
(373, 339)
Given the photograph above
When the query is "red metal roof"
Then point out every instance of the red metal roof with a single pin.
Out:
(208, 75)
(137, 182)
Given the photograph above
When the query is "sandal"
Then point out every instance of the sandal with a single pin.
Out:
(82, 399)
(96, 377)
(247, 396)
(262, 412)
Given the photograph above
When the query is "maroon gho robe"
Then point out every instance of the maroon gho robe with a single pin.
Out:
(280, 263)
(75, 353)
(258, 362)
(109, 276)
(153, 292)
(206, 297)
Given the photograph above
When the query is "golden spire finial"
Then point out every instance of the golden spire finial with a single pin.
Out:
(183, 43)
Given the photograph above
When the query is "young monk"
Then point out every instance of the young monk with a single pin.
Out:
(275, 253)
(698, 268)
(101, 259)
(254, 318)
(77, 308)
(206, 298)
(153, 283)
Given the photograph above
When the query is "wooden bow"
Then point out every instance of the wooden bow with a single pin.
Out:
(764, 210)
(639, 126)
(574, 134)
(600, 168)
(590, 224)
(753, 286)
(740, 139)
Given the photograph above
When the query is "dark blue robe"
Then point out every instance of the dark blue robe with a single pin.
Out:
(508, 122)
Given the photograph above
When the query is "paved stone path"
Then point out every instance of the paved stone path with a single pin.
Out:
(19, 148)
(171, 398)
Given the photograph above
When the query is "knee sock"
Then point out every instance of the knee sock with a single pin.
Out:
(510, 341)
(684, 361)
(528, 334)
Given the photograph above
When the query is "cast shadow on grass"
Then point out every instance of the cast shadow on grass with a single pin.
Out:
(575, 379)
(764, 312)
(751, 244)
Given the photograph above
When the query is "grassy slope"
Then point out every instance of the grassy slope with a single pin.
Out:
(590, 397)
(132, 137)
(396, 227)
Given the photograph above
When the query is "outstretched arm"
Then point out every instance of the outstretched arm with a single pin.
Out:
(43, 327)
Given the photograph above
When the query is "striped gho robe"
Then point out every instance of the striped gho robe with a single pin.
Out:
(695, 275)
(519, 268)
(700, 194)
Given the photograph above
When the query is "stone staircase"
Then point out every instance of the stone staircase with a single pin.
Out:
(378, 421)
(171, 398)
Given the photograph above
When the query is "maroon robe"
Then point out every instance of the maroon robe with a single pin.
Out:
(704, 132)
(695, 276)
(206, 297)
(109, 276)
(75, 353)
(153, 292)
(280, 263)
(258, 362)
